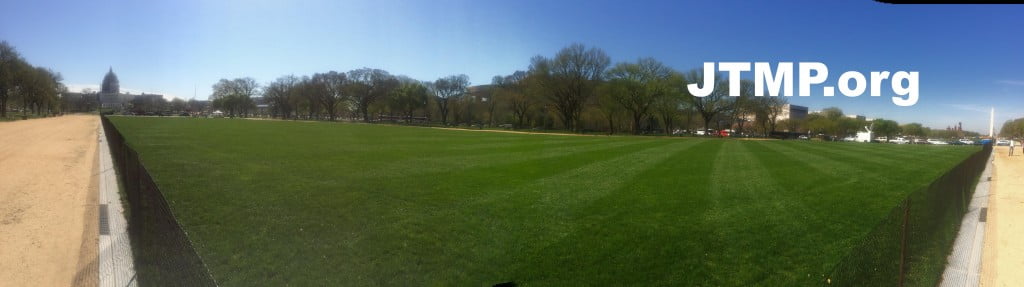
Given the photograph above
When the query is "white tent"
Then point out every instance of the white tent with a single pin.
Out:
(864, 136)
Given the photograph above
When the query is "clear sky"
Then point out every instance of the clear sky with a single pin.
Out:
(970, 58)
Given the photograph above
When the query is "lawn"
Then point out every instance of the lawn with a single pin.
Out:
(313, 203)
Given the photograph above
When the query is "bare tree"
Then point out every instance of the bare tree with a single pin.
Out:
(607, 105)
(367, 86)
(667, 107)
(280, 94)
(743, 106)
(514, 89)
(636, 86)
(768, 109)
(445, 90)
(569, 79)
(714, 104)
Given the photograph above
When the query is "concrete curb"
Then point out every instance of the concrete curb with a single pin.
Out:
(117, 267)
(964, 263)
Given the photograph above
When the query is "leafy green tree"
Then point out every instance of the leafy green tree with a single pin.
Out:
(887, 128)
(11, 66)
(235, 95)
(913, 129)
(331, 90)
(1012, 129)
(411, 95)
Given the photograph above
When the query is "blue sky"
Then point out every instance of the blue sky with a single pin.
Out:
(970, 58)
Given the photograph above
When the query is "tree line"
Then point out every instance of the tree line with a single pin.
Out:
(831, 123)
(578, 89)
(1013, 129)
(27, 88)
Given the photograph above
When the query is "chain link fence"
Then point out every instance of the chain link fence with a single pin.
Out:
(164, 255)
(910, 246)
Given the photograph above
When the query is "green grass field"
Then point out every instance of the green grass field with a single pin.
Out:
(297, 203)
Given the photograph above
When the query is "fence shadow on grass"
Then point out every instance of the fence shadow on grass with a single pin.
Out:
(909, 247)
(164, 255)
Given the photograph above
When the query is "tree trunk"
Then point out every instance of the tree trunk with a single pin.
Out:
(636, 123)
(667, 122)
(611, 125)
(707, 121)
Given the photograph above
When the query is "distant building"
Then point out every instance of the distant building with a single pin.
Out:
(480, 93)
(790, 111)
(111, 98)
(856, 117)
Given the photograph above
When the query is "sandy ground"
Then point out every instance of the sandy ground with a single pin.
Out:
(1003, 260)
(48, 194)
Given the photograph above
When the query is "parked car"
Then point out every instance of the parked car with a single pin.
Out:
(803, 137)
(705, 132)
(1002, 142)
(849, 139)
(921, 141)
(882, 139)
(938, 142)
(900, 140)
(966, 141)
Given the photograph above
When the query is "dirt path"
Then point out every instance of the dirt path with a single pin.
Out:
(47, 191)
(1003, 259)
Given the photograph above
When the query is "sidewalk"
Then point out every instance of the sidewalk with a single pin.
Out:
(116, 263)
(964, 262)
(1003, 260)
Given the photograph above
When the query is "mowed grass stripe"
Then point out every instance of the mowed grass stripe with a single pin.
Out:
(825, 187)
(542, 209)
(898, 161)
(621, 237)
(894, 151)
(775, 225)
(456, 162)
